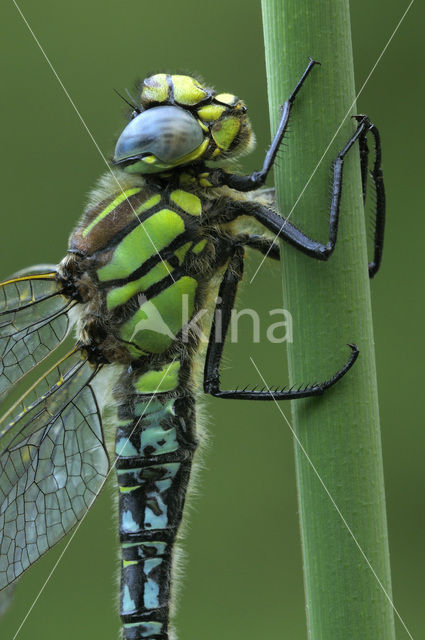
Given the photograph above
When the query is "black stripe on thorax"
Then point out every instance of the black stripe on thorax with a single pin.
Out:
(163, 284)
(159, 256)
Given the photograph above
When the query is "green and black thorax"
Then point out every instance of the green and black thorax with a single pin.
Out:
(158, 243)
(159, 228)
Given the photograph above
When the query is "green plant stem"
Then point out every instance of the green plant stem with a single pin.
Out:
(330, 306)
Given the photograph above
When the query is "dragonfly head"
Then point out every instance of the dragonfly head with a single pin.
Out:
(179, 122)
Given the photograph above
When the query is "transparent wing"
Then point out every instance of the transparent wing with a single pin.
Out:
(53, 462)
(34, 320)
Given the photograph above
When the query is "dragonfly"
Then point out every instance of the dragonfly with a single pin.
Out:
(162, 240)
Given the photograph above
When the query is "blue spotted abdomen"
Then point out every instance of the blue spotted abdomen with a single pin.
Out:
(155, 442)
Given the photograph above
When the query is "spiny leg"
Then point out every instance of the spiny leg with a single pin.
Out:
(258, 178)
(288, 231)
(378, 180)
(226, 300)
(364, 160)
(266, 246)
(291, 234)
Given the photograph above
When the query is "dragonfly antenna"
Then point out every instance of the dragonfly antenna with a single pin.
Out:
(136, 109)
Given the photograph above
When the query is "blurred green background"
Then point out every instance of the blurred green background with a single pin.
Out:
(242, 580)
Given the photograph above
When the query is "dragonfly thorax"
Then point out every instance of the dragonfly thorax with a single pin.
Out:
(142, 262)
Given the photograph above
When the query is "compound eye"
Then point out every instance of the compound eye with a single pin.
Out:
(167, 132)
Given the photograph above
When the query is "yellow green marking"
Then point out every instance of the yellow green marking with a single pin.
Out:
(181, 251)
(187, 90)
(211, 112)
(150, 237)
(149, 203)
(111, 206)
(128, 563)
(225, 131)
(187, 201)
(166, 379)
(227, 98)
(155, 88)
(147, 328)
(120, 295)
(199, 246)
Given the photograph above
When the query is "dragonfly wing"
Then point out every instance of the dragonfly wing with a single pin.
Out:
(52, 465)
(34, 320)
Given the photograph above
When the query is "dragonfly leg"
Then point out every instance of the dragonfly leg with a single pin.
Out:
(285, 230)
(223, 310)
(258, 178)
(378, 181)
(364, 162)
(266, 246)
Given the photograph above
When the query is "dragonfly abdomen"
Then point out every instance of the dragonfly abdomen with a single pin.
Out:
(155, 443)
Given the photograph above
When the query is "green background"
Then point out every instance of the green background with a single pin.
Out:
(243, 578)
